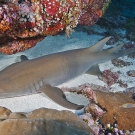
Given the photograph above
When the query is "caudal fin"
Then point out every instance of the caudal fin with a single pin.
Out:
(116, 53)
(113, 53)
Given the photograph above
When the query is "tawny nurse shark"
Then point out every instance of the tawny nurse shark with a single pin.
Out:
(44, 73)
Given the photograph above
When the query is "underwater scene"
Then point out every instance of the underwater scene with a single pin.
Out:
(67, 67)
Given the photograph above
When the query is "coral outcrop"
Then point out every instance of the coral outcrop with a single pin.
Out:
(36, 18)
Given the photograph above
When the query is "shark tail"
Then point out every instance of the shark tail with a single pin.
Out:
(112, 53)
(115, 52)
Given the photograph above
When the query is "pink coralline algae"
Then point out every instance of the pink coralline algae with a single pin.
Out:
(88, 92)
(120, 63)
(28, 19)
(95, 110)
(85, 90)
(109, 77)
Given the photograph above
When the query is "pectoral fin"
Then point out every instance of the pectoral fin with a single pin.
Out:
(58, 96)
(94, 70)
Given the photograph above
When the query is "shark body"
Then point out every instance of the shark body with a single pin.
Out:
(44, 73)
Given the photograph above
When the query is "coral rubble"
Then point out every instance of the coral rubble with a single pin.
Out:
(120, 63)
(112, 102)
(109, 77)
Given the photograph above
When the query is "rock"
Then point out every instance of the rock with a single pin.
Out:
(42, 121)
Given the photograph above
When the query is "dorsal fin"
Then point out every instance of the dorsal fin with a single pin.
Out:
(23, 58)
(99, 46)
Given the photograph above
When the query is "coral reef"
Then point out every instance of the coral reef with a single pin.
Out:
(42, 121)
(25, 19)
